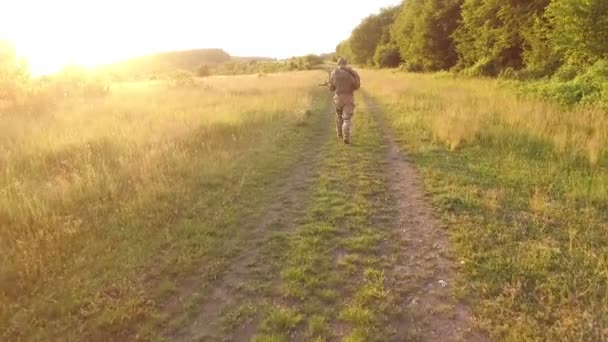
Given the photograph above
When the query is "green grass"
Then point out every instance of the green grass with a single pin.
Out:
(522, 186)
(331, 268)
(235, 318)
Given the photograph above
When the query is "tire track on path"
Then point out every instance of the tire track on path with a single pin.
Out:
(234, 286)
(424, 272)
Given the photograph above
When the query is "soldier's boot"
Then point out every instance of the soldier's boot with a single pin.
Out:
(346, 131)
(339, 124)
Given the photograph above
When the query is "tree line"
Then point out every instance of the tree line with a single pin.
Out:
(511, 38)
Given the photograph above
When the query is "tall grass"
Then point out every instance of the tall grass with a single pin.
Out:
(91, 191)
(523, 184)
(454, 111)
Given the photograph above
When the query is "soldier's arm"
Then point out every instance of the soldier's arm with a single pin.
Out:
(357, 78)
(332, 81)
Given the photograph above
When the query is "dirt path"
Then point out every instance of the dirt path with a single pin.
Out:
(360, 213)
(234, 287)
(424, 271)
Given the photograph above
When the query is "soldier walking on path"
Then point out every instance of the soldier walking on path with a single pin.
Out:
(344, 81)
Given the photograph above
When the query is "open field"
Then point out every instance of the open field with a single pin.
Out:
(523, 185)
(226, 210)
(106, 201)
(154, 187)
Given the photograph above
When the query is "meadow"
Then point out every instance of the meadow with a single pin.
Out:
(223, 208)
(102, 197)
(523, 185)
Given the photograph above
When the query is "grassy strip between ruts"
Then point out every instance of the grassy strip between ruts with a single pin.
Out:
(331, 281)
(526, 212)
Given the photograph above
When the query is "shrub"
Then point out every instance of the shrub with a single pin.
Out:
(589, 87)
(203, 71)
(313, 60)
(387, 56)
(181, 78)
(483, 67)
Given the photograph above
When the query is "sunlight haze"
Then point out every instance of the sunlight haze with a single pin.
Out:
(51, 34)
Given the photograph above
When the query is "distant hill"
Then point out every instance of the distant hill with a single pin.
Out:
(218, 61)
(166, 62)
(252, 59)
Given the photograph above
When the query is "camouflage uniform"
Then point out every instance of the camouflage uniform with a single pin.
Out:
(343, 82)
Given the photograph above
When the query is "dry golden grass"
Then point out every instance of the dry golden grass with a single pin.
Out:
(71, 178)
(456, 111)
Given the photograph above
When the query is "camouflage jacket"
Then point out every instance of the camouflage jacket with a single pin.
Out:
(344, 81)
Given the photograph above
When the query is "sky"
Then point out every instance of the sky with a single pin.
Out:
(53, 33)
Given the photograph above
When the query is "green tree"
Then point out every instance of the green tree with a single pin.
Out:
(366, 37)
(423, 32)
(387, 56)
(343, 50)
(580, 30)
(492, 35)
(540, 56)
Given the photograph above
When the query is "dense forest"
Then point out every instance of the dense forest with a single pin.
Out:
(560, 44)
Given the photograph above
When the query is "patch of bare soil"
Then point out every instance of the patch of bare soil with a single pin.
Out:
(424, 272)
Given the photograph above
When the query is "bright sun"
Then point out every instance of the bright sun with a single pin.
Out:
(42, 61)
(94, 47)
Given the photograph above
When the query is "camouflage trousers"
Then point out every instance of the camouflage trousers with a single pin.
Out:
(345, 109)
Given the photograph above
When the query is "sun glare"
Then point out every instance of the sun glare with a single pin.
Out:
(43, 59)
(90, 33)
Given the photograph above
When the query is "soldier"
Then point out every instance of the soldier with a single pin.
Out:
(343, 82)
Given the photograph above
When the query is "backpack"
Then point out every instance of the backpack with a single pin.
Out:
(355, 76)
